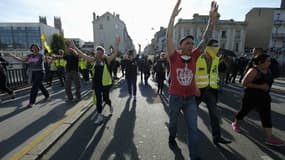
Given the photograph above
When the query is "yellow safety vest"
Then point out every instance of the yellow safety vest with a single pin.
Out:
(53, 65)
(202, 77)
(106, 78)
(60, 62)
(82, 63)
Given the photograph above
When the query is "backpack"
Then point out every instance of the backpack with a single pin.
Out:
(275, 68)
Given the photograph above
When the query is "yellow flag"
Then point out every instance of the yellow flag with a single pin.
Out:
(44, 40)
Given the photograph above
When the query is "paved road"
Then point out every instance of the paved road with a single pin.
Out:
(138, 130)
(20, 125)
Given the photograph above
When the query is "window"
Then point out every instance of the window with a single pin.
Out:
(277, 16)
(283, 44)
(108, 18)
(224, 34)
(236, 47)
(237, 35)
(223, 45)
(101, 26)
(186, 32)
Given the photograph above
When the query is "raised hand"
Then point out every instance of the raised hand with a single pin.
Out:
(176, 9)
(118, 40)
(70, 44)
(214, 10)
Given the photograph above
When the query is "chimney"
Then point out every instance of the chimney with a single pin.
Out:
(94, 16)
(43, 20)
(57, 23)
(118, 16)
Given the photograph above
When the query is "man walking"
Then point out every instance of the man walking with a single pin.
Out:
(207, 81)
(182, 87)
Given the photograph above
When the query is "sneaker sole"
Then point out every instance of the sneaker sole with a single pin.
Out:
(275, 145)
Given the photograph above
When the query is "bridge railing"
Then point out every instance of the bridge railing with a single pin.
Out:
(17, 75)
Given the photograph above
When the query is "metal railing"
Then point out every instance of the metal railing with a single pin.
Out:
(17, 75)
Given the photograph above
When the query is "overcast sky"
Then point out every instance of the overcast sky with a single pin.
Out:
(142, 17)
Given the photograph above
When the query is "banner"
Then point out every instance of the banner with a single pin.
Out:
(44, 40)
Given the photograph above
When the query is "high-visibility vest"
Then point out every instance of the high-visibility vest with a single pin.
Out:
(82, 63)
(202, 77)
(60, 62)
(53, 65)
(106, 78)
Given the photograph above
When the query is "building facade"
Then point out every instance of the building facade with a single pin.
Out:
(229, 33)
(18, 37)
(105, 30)
(266, 29)
(158, 43)
(277, 40)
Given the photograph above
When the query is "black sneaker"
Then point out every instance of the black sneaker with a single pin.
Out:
(172, 143)
(221, 140)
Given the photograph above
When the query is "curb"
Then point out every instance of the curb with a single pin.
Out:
(39, 149)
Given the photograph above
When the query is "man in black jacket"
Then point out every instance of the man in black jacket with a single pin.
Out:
(131, 73)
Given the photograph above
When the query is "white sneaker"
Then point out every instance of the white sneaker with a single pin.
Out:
(111, 109)
(99, 119)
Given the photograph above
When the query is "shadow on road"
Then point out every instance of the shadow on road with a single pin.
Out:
(57, 113)
(123, 148)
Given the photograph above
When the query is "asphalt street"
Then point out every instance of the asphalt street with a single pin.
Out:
(138, 129)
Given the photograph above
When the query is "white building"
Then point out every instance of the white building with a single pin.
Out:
(229, 33)
(159, 41)
(106, 28)
(277, 40)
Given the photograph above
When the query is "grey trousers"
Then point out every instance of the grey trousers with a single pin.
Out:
(70, 77)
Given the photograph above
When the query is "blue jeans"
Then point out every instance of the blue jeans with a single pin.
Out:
(189, 107)
(132, 86)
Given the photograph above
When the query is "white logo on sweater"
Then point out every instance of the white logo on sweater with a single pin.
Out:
(184, 76)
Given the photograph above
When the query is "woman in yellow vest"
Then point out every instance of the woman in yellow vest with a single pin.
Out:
(207, 81)
(102, 79)
(60, 64)
(84, 70)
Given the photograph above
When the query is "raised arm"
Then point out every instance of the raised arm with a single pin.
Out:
(213, 16)
(114, 55)
(22, 59)
(169, 34)
(78, 52)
